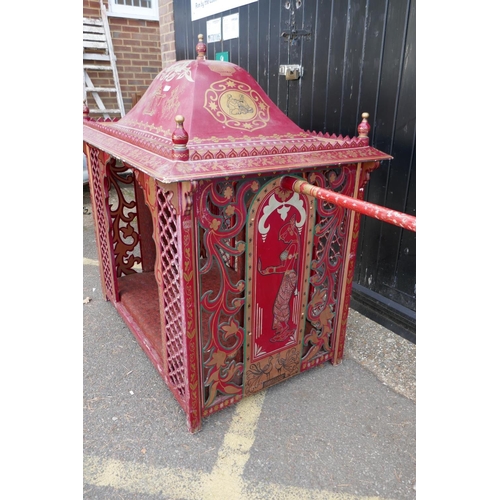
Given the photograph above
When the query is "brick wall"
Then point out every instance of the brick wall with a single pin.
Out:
(167, 32)
(136, 44)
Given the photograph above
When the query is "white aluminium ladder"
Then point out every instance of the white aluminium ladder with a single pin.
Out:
(98, 59)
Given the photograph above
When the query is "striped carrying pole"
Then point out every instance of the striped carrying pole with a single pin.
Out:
(363, 207)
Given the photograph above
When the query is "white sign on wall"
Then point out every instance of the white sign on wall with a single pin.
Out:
(231, 26)
(204, 8)
(213, 30)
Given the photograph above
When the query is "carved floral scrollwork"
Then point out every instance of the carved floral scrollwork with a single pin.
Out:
(123, 213)
(265, 373)
(222, 213)
(330, 236)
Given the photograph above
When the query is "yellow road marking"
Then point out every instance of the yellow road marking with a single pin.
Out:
(225, 480)
(140, 478)
(90, 262)
(177, 483)
(234, 453)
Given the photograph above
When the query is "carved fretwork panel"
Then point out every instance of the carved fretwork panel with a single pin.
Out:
(171, 299)
(123, 211)
(327, 267)
(221, 211)
(100, 195)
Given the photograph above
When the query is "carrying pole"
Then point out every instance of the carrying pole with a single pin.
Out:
(363, 207)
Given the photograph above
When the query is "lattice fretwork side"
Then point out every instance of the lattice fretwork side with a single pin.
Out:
(172, 307)
(102, 225)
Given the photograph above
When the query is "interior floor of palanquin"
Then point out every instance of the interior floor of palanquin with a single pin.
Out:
(139, 296)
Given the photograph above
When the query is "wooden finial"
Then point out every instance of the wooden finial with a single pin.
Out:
(180, 139)
(364, 126)
(201, 48)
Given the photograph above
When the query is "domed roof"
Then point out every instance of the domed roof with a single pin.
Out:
(219, 101)
(232, 128)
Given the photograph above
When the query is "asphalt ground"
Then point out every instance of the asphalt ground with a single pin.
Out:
(344, 432)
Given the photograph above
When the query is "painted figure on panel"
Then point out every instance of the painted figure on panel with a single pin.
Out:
(282, 323)
(238, 106)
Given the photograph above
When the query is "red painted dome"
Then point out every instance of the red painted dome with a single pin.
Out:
(219, 101)
(233, 127)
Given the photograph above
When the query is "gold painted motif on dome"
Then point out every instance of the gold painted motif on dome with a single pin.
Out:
(236, 105)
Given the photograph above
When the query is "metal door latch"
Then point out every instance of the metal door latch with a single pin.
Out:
(293, 35)
(291, 71)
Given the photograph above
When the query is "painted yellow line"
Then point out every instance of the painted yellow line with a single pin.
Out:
(225, 480)
(226, 477)
(182, 484)
(90, 262)
(142, 479)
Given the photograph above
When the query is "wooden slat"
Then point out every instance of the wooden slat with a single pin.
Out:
(94, 56)
(95, 45)
(100, 111)
(100, 89)
(93, 29)
(97, 67)
(92, 21)
(94, 37)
